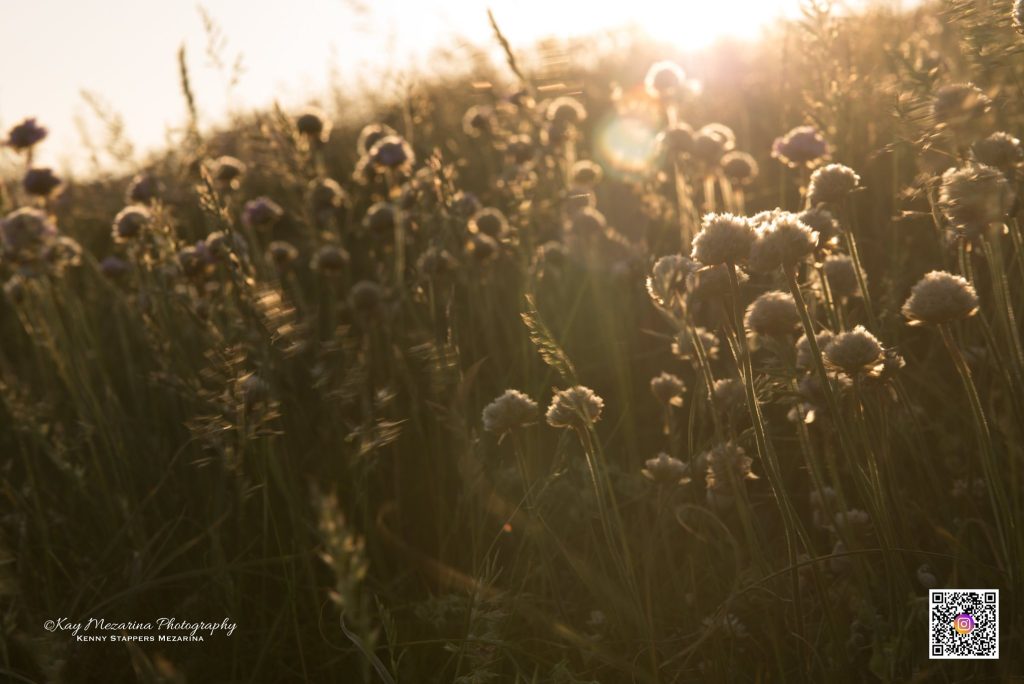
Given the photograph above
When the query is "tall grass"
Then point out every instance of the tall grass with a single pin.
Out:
(270, 409)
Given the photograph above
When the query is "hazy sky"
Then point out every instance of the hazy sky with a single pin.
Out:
(124, 51)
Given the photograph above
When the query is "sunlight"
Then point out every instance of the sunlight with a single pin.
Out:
(292, 52)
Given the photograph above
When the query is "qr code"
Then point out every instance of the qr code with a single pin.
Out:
(963, 623)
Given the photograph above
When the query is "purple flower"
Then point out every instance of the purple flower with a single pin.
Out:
(26, 135)
(261, 212)
(392, 152)
(802, 146)
(40, 182)
(25, 232)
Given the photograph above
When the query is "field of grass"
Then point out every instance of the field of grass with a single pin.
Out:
(581, 367)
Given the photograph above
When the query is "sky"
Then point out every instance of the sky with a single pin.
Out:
(124, 52)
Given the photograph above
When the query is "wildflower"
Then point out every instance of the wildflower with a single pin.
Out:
(675, 141)
(143, 189)
(510, 411)
(803, 348)
(40, 182)
(436, 264)
(974, 196)
(365, 297)
(668, 389)
(551, 254)
(482, 248)
(330, 259)
(854, 353)
(773, 314)
(711, 142)
(465, 204)
(566, 111)
(940, 297)
(478, 120)
(130, 222)
(326, 195)
(667, 282)
(314, 125)
(227, 172)
(489, 222)
(960, 107)
(854, 522)
(665, 470)
(729, 396)
(114, 267)
(217, 245)
(25, 232)
(664, 80)
(25, 135)
(392, 152)
(739, 167)
(728, 467)
(822, 222)
(381, 219)
(61, 253)
(282, 254)
(840, 271)
(723, 239)
(586, 174)
(782, 243)
(830, 184)
(261, 212)
(999, 150)
(520, 148)
(802, 146)
(577, 407)
(194, 261)
(371, 135)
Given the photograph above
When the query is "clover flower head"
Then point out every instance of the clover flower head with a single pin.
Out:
(854, 353)
(330, 259)
(26, 135)
(664, 80)
(510, 411)
(723, 239)
(489, 221)
(665, 470)
(938, 298)
(804, 359)
(668, 279)
(739, 167)
(802, 146)
(577, 407)
(974, 196)
(668, 389)
(773, 314)
(41, 182)
(999, 150)
(314, 125)
(831, 184)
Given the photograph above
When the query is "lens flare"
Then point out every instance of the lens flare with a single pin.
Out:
(625, 143)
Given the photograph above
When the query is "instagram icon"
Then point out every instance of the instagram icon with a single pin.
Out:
(963, 623)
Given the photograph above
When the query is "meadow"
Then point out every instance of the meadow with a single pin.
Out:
(601, 363)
